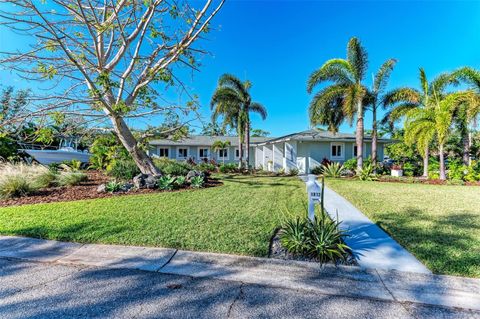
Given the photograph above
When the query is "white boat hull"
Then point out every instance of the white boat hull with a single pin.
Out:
(46, 157)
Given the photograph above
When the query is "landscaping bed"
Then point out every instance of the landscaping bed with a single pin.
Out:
(84, 190)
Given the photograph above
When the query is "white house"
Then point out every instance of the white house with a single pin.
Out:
(303, 150)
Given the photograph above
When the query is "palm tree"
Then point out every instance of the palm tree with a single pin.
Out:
(344, 98)
(401, 101)
(468, 113)
(232, 91)
(435, 120)
(380, 81)
(220, 145)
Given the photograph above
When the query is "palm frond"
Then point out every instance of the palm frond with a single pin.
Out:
(259, 109)
(423, 81)
(326, 108)
(338, 71)
(358, 58)
(440, 83)
(383, 74)
(468, 75)
(229, 80)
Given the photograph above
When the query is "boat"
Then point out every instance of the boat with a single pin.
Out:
(66, 152)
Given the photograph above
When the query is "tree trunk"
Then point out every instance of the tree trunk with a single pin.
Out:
(359, 136)
(466, 148)
(425, 162)
(374, 139)
(240, 152)
(143, 161)
(443, 176)
(247, 144)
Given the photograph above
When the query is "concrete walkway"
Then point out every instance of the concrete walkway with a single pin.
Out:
(372, 247)
(303, 277)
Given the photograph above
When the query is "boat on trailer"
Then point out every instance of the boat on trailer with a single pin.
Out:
(66, 152)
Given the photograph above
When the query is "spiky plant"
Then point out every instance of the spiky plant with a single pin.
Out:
(344, 98)
(233, 101)
(334, 170)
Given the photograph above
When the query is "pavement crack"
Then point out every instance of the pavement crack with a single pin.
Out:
(237, 298)
(168, 261)
(394, 298)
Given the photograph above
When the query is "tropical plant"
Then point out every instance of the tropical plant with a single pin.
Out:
(350, 164)
(227, 168)
(180, 181)
(403, 101)
(74, 165)
(367, 173)
(15, 186)
(70, 178)
(124, 169)
(294, 236)
(345, 97)
(113, 186)
(197, 182)
(293, 171)
(233, 101)
(166, 182)
(334, 170)
(380, 81)
(317, 170)
(219, 145)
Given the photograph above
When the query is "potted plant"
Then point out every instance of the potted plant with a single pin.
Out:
(397, 170)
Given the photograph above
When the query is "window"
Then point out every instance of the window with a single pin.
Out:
(223, 153)
(163, 151)
(355, 150)
(237, 153)
(203, 152)
(336, 151)
(182, 152)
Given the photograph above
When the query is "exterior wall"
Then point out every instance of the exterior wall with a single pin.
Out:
(290, 158)
(259, 157)
(278, 151)
(267, 157)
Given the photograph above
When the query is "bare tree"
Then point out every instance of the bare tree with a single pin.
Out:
(108, 58)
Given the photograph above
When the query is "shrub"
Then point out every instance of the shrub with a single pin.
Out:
(180, 181)
(106, 150)
(21, 179)
(206, 168)
(71, 178)
(166, 182)
(124, 169)
(317, 170)
(228, 168)
(113, 186)
(15, 186)
(332, 170)
(320, 239)
(293, 171)
(197, 182)
(172, 167)
(74, 165)
(366, 173)
(408, 169)
(350, 164)
(47, 178)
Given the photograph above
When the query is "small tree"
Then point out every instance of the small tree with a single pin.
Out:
(220, 145)
(107, 58)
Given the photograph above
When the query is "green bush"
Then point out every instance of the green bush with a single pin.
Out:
(350, 164)
(408, 169)
(172, 167)
(106, 150)
(228, 168)
(45, 179)
(166, 182)
(71, 178)
(433, 168)
(317, 170)
(16, 186)
(366, 173)
(180, 181)
(293, 171)
(74, 165)
(205, 168)
(197, 182)
(113, 186)
(334, 170)
(320, 239)
(124, 169)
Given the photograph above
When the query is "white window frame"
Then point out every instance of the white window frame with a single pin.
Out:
(203, 148)
(165, 147)
(178, 153)
(227, 157)
(342, 156)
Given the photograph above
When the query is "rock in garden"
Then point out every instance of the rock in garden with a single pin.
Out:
(101, 188)
(194, 173)
(145, 181)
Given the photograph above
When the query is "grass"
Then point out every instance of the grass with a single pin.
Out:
(440, 225)
(237, 217)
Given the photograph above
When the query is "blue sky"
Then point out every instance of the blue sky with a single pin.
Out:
(277, 44)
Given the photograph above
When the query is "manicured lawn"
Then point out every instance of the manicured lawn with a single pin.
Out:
(237, 217)
(440, 225)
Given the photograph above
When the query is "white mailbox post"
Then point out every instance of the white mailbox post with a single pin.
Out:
(314, 193)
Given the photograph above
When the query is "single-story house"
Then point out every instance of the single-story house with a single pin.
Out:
(303, 150)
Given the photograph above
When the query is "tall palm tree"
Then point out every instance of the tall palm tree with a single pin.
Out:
(232, 91)
(399, 102)
(468, 113)
(221, 145)
(380, 81)
(344, 98)
(423, 124)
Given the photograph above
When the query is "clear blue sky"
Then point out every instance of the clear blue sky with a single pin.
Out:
(277, 44)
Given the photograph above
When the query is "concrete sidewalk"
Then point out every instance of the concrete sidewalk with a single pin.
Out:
(372, 247)
(348, 282)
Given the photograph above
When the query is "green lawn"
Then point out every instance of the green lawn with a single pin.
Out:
(237, 217)
(440, 225)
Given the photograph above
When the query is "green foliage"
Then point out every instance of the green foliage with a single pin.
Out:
(228, 168)
(433, 168)
(205, 168)
(16, 186)
(317, 170)
(46, 178)
(113, 186)
(124, 169)
(293, 171)
(71, 178)
(105, 150)
(334, 170)
(366, 173)
(197, 182)
(166, 182)
(74, 165)
(350, 164)
(8, 148)
(409, 169)
(180, 181)
(320, 239)
(460, 172)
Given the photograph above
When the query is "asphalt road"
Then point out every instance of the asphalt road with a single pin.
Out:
(45, 290)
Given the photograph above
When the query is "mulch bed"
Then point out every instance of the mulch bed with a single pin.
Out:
(85, 190)
(419, 180)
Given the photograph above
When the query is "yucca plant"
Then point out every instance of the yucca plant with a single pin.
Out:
(180, 181)
(293, 236)
(332, 170)
(166, 182)
(197, 182)
(366, 173)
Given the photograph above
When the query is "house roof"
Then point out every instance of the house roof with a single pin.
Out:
(317, 135)
(205, 140)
